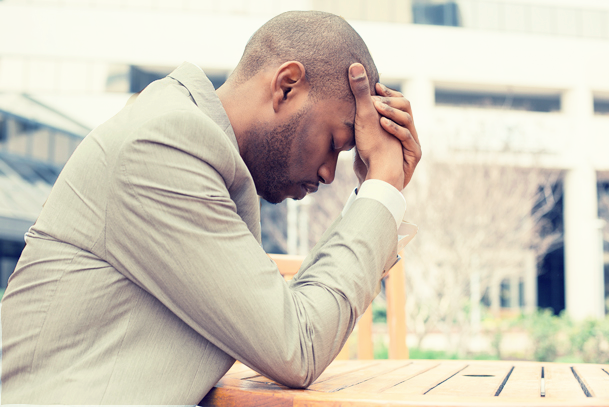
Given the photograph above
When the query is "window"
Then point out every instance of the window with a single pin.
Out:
(601, 106)
(3, 128)
(447, 13)
(140, 78)
(509, 101)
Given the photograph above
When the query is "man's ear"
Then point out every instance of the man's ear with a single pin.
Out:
(289, 86)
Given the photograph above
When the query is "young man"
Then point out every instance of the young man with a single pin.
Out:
(143, 278)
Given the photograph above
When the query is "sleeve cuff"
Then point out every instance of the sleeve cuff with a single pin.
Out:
(386, 194)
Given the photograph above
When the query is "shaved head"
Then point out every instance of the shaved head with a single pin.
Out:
(325, 44)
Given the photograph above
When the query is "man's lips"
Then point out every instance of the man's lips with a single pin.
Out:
(305, 189)
(310, 188)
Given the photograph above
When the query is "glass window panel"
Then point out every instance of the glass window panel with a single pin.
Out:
(601, 106)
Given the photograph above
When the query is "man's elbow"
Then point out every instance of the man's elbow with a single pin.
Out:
(297, 381)
(299, 377)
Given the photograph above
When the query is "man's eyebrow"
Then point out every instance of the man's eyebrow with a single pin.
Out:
(351, 127)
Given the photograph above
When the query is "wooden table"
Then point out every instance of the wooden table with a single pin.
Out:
(424, 383)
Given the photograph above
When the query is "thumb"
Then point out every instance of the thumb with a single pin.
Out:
(360, 88)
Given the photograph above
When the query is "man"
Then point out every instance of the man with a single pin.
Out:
(143, 278)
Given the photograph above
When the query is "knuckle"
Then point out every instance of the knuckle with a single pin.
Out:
(360, 87)
(409, 121)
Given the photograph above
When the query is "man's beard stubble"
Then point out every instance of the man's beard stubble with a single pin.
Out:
(268, 157)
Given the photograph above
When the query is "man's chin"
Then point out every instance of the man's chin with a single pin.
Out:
(278, 196)
(274, 197)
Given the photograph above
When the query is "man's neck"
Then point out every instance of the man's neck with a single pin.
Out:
(238, 109)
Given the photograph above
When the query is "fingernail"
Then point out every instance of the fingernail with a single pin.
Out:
(357, 71)
(383, 87)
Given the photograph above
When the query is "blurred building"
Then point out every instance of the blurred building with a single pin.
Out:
(527, 79)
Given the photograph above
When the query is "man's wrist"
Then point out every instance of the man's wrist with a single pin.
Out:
(388, 175)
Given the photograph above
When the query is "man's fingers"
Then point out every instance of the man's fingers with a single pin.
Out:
(400, 132)
(398, 116)
(404, 135)
(360, 88)
(385, 91)
(400, 103)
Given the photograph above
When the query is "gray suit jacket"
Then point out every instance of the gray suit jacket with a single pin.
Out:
(143, 278)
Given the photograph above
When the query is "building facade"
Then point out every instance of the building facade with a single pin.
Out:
(526, 80)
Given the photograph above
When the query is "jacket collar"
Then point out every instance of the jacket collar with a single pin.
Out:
(204, 95)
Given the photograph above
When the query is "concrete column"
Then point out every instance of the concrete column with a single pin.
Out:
(583, 255)
(420, 91)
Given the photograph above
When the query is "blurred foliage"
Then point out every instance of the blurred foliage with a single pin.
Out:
(379, 313)
(590, 340)
(557, 338)
(416, 353)
(543, 328)
(1, 293)
(551, 338)
(381, 350)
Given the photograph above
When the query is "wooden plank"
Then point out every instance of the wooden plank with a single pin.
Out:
(256, 395)
(525, 381)
(395, 287)
(595, 378)
(561, 383)
(427, 380)
(342, 381)
(364, 336)
(477, 380)
(239, 370)
(387, 400)
(387, 380)
(363, 384)
(336, 369)
(287, 264)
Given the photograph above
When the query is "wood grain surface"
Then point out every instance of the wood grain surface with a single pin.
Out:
(423, 383)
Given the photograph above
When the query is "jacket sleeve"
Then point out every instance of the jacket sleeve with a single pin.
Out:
(173, 229)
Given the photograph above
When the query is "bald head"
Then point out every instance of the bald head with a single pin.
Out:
(324, 43)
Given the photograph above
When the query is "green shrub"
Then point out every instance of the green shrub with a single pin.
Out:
(544, 328)
(590, 340)
(379, 313)
(381, 351)
(416, 353)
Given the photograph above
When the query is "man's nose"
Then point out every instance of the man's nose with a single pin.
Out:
(327, 171)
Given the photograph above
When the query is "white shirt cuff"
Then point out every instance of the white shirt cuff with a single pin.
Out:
(383, 192)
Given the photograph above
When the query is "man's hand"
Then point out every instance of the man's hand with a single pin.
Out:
(397, 120)
(379, 150)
